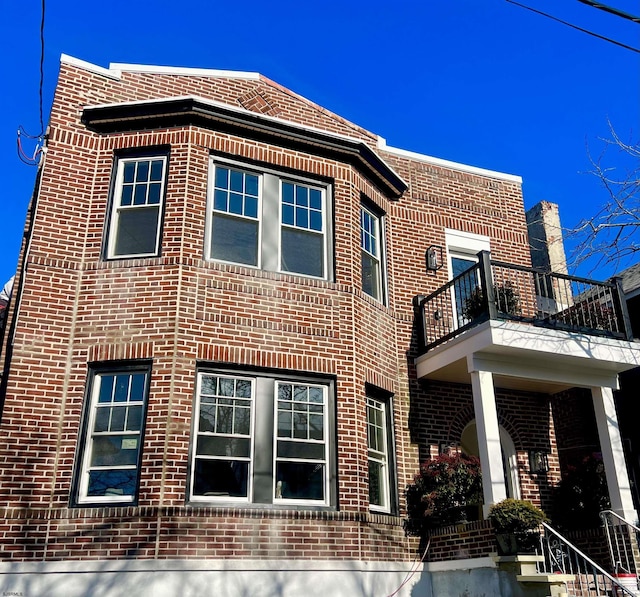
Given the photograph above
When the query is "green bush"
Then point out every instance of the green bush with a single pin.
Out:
(507, 301)
(443, 492)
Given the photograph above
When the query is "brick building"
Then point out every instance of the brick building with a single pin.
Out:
(240, 322)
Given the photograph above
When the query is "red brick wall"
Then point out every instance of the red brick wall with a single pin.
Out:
(177, 309)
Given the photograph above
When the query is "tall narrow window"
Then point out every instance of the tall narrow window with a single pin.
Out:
(379, 442)
(110, 466)
(234, 221)
(222, 463)
(302, 237)
(137, 207)
(370, 242)
(301, 445)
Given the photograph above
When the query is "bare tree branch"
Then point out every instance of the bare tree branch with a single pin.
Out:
(612, 235)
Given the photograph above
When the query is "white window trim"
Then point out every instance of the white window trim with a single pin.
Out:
(324, 442)
(463, 245)
(196, 433)
(116, 207)
(270, 217)
(384, 406)
(382, 278)
(265, 400)
(82, 496)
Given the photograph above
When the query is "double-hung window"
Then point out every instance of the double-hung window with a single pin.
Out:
(264, 219)
(380, 454)
(109, 468)
(137, 205)
(262, 439)
(371, 245)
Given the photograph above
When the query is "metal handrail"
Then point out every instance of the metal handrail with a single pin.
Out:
(622, 556)
(580, 565)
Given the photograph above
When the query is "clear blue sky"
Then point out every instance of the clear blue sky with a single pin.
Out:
(485, 83)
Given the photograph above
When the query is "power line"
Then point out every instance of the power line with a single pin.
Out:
(41, 67)
(613, 11)
(544, 14)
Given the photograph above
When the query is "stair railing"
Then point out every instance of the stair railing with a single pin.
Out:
(590, 579)
(622, 540)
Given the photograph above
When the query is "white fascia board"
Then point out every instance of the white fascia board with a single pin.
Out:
(98, 70)
(420, 157)
(182, 71)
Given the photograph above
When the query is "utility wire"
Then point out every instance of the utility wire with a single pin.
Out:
(613, 11)
(544, 14)
(41, 67)
(34, 160)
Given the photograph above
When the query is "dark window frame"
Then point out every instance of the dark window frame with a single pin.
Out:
(111, 227)
(263, 439)
(97, 370)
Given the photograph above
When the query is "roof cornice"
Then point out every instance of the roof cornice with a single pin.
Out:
(193, 110)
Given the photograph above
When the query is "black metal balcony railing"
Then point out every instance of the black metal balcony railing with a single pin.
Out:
(497, 290)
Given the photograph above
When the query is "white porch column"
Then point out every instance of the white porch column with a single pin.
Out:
(484, 404)
(613, 453)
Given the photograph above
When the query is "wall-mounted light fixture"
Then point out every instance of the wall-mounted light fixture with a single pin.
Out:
(433, 258)
(538, 462)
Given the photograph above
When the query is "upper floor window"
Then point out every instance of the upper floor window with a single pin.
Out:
(371, 245)
(262, 439)
(267, 220)
(136, 212)
(109, 465)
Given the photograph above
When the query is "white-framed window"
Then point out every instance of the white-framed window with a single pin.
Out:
(114, 422)
(371, 246)
(268, 220)
(137, 206)
(380, 454)
(462, 256)
(262, 439)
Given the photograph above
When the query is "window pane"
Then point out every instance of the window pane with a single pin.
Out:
(127, 195)
(112, 483)
(370, 276)
(129, 172)
(106, 387)
(236, 181)
(302, 252)
(140, 195)
(102, 419)
(300, 480)
(222, 178)
(143, 171)
(376, 480)
(114, 450)
(207, 417)
(220, 478)
(300, 450)
(315, 199)
(234, 240)
(136, 231)
(235, 447)
(220, 200)
(156, 170)
(122, 388)
(137, 387)
(134, 418)
(154, 194)
(117, 418)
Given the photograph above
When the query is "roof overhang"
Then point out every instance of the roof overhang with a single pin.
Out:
(193, 110)
(525, 357)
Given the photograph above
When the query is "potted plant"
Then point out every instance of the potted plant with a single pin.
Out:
(447, 490)
(507, 301)
(516, 523)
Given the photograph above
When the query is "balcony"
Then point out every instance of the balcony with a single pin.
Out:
(494, 290)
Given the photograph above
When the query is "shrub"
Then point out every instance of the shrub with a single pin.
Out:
(442, 492)
(519, 518)
(507, 301)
